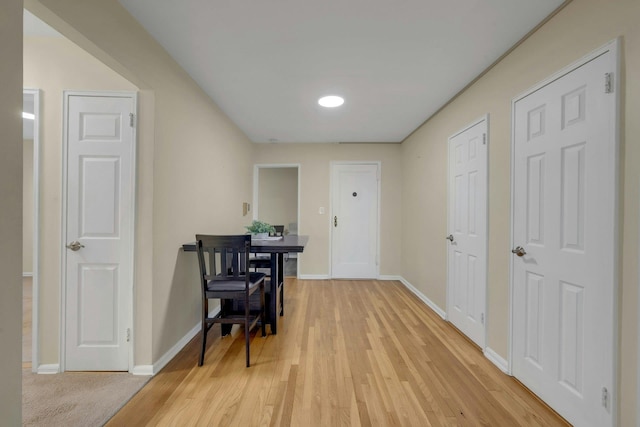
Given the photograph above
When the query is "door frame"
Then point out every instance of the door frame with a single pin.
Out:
(332, 165)
(614, 48)
(63, 236)
(449, 295)
(35, 284)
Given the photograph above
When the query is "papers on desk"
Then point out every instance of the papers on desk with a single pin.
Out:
(268, 238)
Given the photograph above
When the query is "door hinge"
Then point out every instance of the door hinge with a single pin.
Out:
(608, 82)
(128, 334)
(484, 139)
(605, 397)
(482, 318)
(132, 119)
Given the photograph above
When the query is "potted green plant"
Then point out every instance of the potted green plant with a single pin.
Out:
(260, 229)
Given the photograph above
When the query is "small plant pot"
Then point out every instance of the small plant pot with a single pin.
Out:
(259, 236)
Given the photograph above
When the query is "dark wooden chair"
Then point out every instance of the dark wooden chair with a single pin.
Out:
(223, 274)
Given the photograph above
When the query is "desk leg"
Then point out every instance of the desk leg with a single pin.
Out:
(273, 294)
(225, 305)
(281, 281)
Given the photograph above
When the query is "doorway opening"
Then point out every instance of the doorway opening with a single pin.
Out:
(276, 200)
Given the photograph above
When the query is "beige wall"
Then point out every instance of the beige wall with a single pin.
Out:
(278, 195)
(583, 26)
(54, 65)
(190, 157)
(11, 211)
(185, 141)
(27, 206)
(315, 168)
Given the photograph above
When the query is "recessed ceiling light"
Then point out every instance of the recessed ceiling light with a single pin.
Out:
(331, 101)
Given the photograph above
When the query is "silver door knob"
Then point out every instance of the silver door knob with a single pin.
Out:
(519, 250)
(75, 246)
(450, 238)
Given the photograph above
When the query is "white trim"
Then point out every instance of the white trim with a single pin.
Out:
(390, 277)
(614, 47)
(497, 360)
(256, 185)
(63, 254)
(173, 351)
(50, 369)
(334, 163)
(35, 287)
(449, 299)
(143, 370)
(433, 306)
(150, 370)
(313, 276)
(27, 274)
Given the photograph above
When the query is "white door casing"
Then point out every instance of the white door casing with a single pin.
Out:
(34, 95)
(467, 241)
(564, 219)
(99, 185)
(354, 220)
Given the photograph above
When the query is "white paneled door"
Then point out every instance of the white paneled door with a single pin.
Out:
(563, 283)
(100, 147)
(354, 236)
(467, 241)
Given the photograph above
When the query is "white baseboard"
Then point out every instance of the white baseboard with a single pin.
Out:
(497, 360)
(27, 274)
(314, 277)
(173, 351)
(143, 370)
(390, 277)
(433, 306)
(53, 368)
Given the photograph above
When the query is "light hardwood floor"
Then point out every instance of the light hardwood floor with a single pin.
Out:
(360, 353)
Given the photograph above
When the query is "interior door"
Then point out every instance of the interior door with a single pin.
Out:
(467, 241)
(99, 231)
(563, 282)
(354, 237)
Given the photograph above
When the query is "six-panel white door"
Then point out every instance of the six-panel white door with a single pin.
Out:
(354, 237)
(99, 219)
(467, 241)
(564, 237)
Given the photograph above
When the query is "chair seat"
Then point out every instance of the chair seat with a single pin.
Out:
(260, 262)
(235, 285)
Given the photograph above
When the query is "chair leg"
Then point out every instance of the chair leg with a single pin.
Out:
(204, 342)
(246, 330)
(282, 299)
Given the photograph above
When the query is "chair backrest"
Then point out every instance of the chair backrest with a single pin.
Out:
(223, 257)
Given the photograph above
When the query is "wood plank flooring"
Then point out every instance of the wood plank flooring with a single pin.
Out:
(352, 353)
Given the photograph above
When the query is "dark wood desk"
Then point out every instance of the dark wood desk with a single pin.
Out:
(277, 249)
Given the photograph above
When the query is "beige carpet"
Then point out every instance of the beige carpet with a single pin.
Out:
(75, 398)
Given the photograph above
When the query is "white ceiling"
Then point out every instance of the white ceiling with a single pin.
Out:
(396, 62)
(33, 26)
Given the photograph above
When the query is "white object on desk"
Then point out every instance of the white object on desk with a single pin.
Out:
(268, 238)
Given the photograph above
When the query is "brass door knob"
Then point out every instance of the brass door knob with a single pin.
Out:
(75, 246)
(519, 250)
